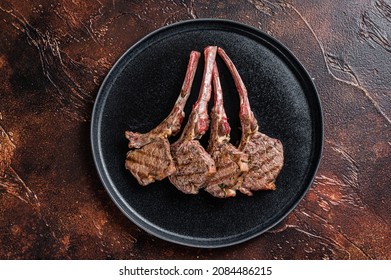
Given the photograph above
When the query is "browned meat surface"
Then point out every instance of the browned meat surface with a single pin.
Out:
(266, 161)
(150, 157)
(230, 162)
(266, 156)
(194, 165)
(142, 163)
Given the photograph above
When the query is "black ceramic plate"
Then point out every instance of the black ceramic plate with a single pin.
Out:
(140, 91)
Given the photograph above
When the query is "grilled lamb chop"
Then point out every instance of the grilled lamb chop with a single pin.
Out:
(194, 165)
(266, 156)
(150, 157)
(230, 162)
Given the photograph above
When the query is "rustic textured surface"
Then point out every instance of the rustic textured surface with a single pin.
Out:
(55, 54)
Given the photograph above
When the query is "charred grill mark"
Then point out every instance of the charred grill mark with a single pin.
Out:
(196, 166)
(181, 163)
(137, 164)
(150, 155)
(200, 169)
(142, 161)
(184, 174)
(193, 181)
(225, 167)
(220, 179)
(146, 174)
(266, 160)
(184, 157)
(267, 174)
(190, 156)
(184, 164)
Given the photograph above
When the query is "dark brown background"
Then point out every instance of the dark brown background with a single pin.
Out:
(55, 54)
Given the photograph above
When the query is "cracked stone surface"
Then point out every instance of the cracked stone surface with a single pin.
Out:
(55, 54)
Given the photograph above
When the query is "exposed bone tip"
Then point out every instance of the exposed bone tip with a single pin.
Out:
(195, 53)
(220, 50)
(211, 47)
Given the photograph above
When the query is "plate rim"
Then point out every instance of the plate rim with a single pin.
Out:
(200, 242)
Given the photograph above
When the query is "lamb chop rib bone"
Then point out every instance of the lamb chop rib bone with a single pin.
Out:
(172, 123)
(230, 162)
(266, 154)
(197, 127)
(194, 165)
(150, 156)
